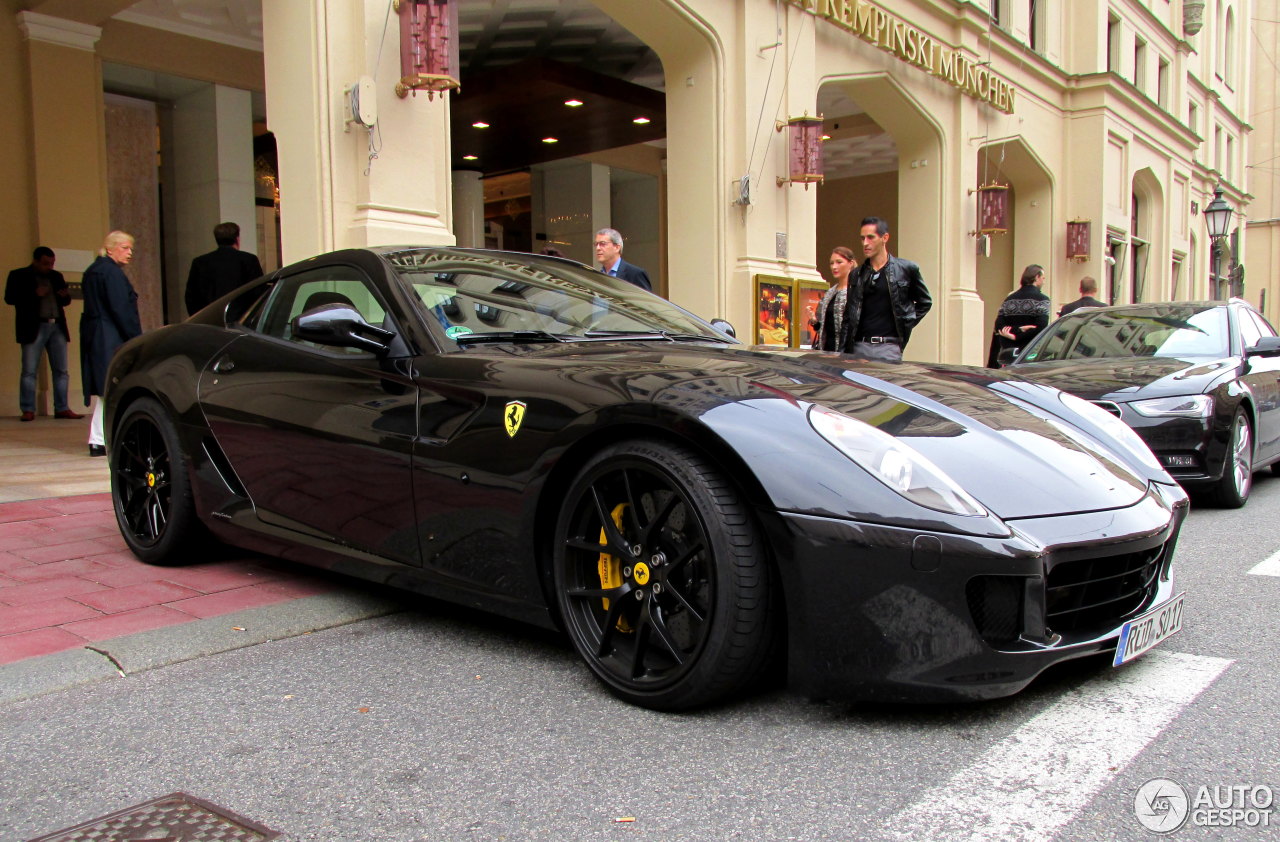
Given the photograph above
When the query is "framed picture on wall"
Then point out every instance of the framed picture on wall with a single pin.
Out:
(773, 310)
(807, 297)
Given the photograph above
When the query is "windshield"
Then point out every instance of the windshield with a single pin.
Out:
(528, 297)
(1161, 330)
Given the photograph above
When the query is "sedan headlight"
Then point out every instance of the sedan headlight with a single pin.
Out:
(1115, 428)
(1180, 406)
(895, 464)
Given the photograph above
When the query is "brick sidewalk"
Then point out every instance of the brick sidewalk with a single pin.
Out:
(67, 580)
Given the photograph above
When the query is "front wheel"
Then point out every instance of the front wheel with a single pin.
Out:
(150, 488)
(1232, 491)
(661, 579)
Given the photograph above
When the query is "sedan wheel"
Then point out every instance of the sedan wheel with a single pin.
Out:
(150, 488)
(661, 579)
(1232, 491)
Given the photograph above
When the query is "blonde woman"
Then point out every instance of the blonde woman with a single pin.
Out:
(109, 320)
(830, 315)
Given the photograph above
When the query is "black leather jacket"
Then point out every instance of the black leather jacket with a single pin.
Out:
(907, 291)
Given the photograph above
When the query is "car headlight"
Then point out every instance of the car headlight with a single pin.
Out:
(895, 464)
(1180, 406)
(1114, 427)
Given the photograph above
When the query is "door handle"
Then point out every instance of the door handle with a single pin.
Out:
(224, 366)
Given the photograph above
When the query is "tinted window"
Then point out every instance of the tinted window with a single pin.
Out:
(1250, 333)
(1171, 330)
(314, 288)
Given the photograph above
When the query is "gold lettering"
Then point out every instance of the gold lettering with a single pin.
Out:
(946, 64)
(862, 21)
(846, 14)
(897, 37)
(971, 77)
(882, 22)
(829, 10)
(913, 45)
(926, 52)
(982, 80)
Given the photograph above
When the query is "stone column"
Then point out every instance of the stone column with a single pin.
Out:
(468, 209)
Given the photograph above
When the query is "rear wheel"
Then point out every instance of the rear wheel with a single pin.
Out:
(661, 578)
(1232, 491)
(150, 487)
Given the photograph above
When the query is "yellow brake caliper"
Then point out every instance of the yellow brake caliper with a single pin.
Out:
(611, 566)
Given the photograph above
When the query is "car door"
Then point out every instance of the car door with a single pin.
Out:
(321, 437)
(1262, 375)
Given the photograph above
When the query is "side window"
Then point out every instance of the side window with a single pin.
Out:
(1264, 327)
(308, 290)
(1249, 333)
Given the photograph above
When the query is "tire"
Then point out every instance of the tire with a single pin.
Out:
(661, 579)
(1232, 491)
(151, 487)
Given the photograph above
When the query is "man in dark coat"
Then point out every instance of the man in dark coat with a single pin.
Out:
(608, 248)
(1023, 314)
(38, 294)
(217, 273)
(1088, 287)
(886, 299)
(110, 319)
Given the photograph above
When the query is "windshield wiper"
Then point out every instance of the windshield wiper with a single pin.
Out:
(664, 335)
(508, 336)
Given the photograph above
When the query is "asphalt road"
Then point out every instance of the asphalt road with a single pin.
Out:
(439, 724)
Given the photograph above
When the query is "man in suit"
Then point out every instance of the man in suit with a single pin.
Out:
(608, 248)
(215, 274)
(1088, 288)
(38, 294)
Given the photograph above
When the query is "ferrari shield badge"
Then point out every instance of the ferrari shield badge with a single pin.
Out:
(512, 416)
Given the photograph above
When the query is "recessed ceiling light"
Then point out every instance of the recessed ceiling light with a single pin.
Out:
(640, 121)
(826, 137)
(551, 140)
(480, 125)
(470, 158)
(573, 103)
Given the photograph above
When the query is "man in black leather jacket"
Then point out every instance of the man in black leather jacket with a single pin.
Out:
(887, 299)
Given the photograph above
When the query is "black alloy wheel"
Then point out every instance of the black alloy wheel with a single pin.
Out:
(1232, 491)
(661, 578)
(150, 488)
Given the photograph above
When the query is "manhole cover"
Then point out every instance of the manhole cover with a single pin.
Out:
(172, 818)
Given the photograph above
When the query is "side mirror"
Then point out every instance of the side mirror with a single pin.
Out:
(724, 327)
(342, 326)
(1005, 356)
(1268, 346)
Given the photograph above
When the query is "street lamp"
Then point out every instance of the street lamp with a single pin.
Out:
(1217, 218)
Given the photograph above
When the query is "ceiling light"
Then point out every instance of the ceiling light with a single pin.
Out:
(640, 121)
(573, 103)
(470, 158)
(826, 137)
(480, 125)
(551, 140)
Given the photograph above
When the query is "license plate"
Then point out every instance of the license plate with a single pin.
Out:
(1141, 633)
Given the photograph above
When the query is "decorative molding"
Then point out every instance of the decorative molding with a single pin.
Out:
(190, 30)
(64, 33)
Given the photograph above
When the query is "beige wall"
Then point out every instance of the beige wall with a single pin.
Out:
(843, 203)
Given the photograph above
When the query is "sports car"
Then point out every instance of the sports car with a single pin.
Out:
(527, 436)
(1198, 380)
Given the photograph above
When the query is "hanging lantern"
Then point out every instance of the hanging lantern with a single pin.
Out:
(428, 46)
(805, 150)
(993, 209)
(1078, 236)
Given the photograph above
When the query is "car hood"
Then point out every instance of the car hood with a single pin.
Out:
(1128, 378)
(1013, 445)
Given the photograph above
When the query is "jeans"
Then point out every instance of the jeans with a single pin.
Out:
(884, 352)
(52, 342)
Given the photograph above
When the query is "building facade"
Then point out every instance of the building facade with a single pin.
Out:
(1122, 116)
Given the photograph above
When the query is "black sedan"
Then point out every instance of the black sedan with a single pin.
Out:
(530, 437)
(1199, 381)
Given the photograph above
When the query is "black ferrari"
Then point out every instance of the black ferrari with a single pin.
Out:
(1198, 380)
(528, 436)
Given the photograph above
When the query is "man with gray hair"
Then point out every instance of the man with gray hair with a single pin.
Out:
(608, 248)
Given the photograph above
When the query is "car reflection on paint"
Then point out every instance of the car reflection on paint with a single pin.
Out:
(525, 435)
(1199, 381)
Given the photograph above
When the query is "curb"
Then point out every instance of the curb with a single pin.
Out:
(135, 653)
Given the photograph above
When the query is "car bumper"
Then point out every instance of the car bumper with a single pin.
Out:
(1188, 448)
(882, 613)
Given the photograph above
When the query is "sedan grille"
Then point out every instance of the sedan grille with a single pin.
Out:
(1096, 594)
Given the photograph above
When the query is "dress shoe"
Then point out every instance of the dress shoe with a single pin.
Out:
(67, 413)
(28, 416)
(97, 450)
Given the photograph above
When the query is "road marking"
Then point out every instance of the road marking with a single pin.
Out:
(1270, 567)
(1037, 779)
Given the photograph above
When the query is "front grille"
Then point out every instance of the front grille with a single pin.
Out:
(995, 603)
(1096, 594)
(1109, 406)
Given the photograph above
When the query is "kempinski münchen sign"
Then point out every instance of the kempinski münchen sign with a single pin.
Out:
(876, 26)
